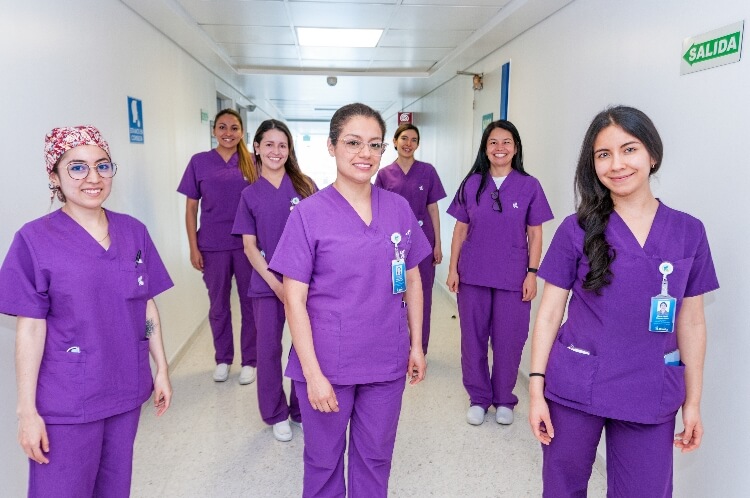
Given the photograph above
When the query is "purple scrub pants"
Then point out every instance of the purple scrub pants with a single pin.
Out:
(218, 268)
(371, 411)
(498, 316)
(269, 321)
(639, 456)
(427, 273)
(92, 459)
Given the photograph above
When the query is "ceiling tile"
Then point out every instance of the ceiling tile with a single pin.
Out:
(466, 3)
(456, 17)
(393, 53)
(233, 12)
(261, 51)
(220, 33)
(423, 38)
(261, 63)
(401, 65)
(330, 53)
(340, 15)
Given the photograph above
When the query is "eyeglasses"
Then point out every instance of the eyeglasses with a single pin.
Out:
(355, 146)
(496, 205)
(79, 171)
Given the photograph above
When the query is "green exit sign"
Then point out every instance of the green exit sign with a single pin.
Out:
(715, 48)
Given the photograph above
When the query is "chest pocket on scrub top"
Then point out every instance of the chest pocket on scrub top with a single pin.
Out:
(133, 279)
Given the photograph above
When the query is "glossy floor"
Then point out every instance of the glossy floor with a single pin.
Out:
(212, 442)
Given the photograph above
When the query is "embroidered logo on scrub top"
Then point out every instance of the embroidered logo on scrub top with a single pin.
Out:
(140, 280)
(421, 187)
(294, 201)
(515, 205)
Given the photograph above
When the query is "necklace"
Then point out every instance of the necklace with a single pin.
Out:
(103, 238)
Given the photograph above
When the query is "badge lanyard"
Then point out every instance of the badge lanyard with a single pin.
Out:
(398, 266)
(663, 306)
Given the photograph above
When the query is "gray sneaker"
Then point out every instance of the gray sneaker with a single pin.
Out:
(221, 373)
(475, 415)
(247, 375)
(504, 415)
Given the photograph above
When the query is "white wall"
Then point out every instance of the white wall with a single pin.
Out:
(76, 62)
(596, 53)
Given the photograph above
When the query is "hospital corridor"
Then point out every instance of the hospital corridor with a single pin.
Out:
(188, 184)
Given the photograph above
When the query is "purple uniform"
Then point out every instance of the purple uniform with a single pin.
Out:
(421, 186)
(623, 376)
(262, 212)
(218, 185)
(95, 363)
(359, 330)
(492, 267)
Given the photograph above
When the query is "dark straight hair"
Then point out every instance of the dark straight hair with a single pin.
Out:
(482, 162)
(593, 200)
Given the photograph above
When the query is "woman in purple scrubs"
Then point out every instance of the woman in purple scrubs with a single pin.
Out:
(623, 252)
(418, 183)
(214, 181)
(261, 215)
(349, 257)
(495, 252)
(81, 282)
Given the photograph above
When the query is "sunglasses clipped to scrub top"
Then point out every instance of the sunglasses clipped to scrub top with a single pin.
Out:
(79, 171)
(496, 205)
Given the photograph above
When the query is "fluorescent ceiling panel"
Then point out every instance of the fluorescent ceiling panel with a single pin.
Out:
(334, 37)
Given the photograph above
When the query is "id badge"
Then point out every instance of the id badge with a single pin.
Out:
(398, 275)
(662, 314)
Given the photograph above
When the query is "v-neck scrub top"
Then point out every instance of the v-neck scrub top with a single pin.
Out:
(624, 375)
(263, 211)
(359, 327)
(92, 299)
(421, 186)
(218, 185)
(496, 252)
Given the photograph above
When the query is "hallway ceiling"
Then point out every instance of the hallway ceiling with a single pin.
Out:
(424, 44)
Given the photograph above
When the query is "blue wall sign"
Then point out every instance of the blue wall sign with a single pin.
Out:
(135, 120)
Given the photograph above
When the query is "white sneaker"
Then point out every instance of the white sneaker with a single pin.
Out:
(221, 373)
(282, 431)
(504, 415)
(247, 375)
(475, 415)
(298, 424)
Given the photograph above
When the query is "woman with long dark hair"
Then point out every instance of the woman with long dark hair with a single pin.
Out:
(495, 252)
(214, 181)
(618, 364)
(261, 215)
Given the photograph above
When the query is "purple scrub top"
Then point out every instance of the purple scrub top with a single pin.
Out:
(359, 326)
(263, 211)
(92, 299)
(421, 186)
(624, 376)
(496, 251)
(218, 185)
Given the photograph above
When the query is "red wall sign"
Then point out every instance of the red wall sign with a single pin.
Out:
(405, 117)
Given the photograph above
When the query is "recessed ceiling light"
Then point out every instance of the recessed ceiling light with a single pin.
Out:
(334, 37)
